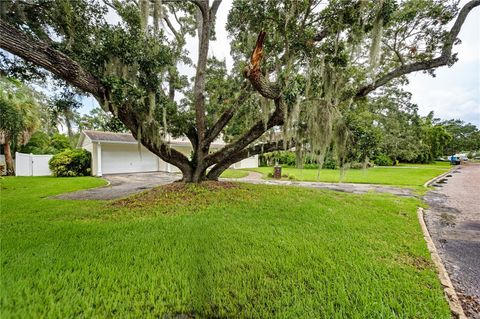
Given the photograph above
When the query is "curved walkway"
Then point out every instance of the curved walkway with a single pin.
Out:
(122, 185)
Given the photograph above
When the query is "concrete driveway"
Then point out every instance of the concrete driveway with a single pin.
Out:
(453, 220)
(122, 185)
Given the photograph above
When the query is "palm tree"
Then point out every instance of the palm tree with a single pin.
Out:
(64, 108)
(19, 117)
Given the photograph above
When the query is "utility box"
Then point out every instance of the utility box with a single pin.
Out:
(277, 172)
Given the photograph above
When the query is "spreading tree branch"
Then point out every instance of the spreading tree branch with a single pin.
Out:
(192, 136)
(201, 4)
(257, 130)
(214, 8)
(224, 118)
(149, 140)
(266, 89)
(253, 73)
(41, 54)
(444, 59)
(172, 28)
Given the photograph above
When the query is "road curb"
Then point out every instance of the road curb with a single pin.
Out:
(427, 183)
(448, 289)
(108, 182)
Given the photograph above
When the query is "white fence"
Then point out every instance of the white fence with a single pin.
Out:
(3, 167)
(32, 165)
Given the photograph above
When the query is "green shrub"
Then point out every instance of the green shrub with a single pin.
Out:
(285, 175)
(74, 162)
(282, 157)
(360, 165)
(292, 177)
(330, 163)
(270, 175)
(383, 160)
(310, 166)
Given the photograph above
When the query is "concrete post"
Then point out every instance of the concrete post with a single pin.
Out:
(99, 159)
(30, 163)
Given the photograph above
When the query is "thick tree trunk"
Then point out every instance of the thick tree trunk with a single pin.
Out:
(196, 170)
(8, 157)
(195, 176)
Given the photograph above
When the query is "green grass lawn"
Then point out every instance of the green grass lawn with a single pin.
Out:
(401, 175)
(234, 173)
(251, 251)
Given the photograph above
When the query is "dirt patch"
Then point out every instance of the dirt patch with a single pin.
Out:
(418, 262)
(172, 195)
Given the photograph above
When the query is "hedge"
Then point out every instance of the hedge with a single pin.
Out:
(69, 163)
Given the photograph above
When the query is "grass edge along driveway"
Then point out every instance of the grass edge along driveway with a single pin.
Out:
(403, 175)
(244, 250)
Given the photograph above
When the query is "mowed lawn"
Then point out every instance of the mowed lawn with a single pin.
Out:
(234, 173)
(236, 251)
(401, 175)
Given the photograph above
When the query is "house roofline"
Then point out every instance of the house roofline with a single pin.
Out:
(171, 143)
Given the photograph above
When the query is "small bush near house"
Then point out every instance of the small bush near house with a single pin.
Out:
(383, 160)
(292, 177)
(71, 163)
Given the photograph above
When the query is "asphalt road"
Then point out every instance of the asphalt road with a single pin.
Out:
(453, 221)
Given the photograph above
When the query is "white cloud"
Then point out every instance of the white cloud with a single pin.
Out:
(455, 91)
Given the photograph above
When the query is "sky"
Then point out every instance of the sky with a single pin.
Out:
(455, 91)
(453, 94)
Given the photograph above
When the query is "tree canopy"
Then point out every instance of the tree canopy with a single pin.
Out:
(19, 116)
(311, 62)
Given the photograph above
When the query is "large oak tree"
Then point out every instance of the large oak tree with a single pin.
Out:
(309, 61)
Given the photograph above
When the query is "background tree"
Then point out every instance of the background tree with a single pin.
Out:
(465, 137)
(98, 119)
(389, 125)
(316, 61)
(43, 143)
(64, 108)
(19, 117)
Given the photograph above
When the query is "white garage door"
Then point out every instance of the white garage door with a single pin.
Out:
(126, 158)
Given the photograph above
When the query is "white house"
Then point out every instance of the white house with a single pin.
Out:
(115, 153)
